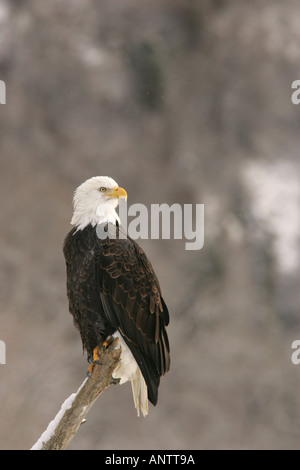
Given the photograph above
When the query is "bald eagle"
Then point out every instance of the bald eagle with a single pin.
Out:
(113, 291)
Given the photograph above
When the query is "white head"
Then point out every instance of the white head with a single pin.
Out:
(95, 201)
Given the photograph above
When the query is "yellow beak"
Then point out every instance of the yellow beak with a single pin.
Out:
(117, 192)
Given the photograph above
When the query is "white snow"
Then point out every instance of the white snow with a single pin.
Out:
(275, 197)
(67, 404)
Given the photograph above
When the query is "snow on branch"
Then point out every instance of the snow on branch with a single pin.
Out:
(66, 423)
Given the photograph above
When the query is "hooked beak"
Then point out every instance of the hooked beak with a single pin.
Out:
(117, 192)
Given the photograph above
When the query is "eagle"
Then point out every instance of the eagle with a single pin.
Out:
(113, 291)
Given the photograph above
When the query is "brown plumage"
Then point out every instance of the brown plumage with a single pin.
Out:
(111, 287)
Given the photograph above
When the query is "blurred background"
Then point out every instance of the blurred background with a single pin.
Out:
(178, 101)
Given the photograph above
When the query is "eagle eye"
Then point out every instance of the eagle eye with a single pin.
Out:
(102, 189)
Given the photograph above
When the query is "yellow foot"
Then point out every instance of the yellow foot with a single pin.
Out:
(96, 355)
(95, 360)
(107, 342)
(90, 370)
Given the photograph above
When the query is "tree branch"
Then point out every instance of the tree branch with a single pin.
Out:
(65, 425)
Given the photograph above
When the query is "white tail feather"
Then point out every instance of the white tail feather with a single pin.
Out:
(128, 370)
(140, 393)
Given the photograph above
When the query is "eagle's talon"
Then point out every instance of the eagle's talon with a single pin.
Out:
(90, 370)
(93, 359)
(107, 343)
(96, 356)
(114, 381)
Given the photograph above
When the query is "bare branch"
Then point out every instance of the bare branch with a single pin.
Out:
(65, 425)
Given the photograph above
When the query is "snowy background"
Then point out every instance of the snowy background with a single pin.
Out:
(180, 102)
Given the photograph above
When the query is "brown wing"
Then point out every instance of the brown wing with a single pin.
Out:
(132, 301)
